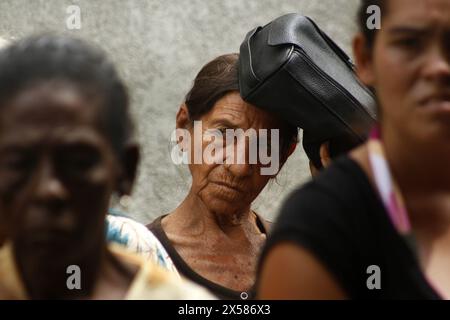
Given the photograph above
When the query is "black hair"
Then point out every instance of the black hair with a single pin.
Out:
(49, 57)
(369, 34)
(218, 78)
(337, 145)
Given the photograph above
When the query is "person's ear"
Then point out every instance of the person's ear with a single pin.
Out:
(129, 164)
(312, 168)
(183, 120)
(363, 59)
(324, 152)
(183, 124)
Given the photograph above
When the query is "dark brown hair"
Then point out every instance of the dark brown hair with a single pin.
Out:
(218, 78)
(369, 34)
(213, 82)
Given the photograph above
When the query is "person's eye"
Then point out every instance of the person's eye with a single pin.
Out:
(84, 161)
(78, 162)
(16, 162)
(409, 43)
(15, 168)
(223, 131)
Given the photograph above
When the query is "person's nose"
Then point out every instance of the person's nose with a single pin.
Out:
(437, 65)
(240, 170)
(49, 188)
(239, 165)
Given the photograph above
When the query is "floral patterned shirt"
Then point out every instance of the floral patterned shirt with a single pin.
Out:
(137, 238)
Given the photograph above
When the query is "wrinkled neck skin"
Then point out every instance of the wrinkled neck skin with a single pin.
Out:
(193, 217)
(223, 247)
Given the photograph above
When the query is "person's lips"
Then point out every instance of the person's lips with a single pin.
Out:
(235, 188)
(439, 102)
(52, 237)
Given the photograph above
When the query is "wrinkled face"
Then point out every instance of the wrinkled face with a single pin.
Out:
(410, 70)
(231, 187)
(56, 173)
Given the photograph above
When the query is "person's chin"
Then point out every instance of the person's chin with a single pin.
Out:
(48, 252)
(224, 206)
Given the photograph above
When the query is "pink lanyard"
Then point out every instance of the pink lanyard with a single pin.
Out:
(390, 193)
(387, 188)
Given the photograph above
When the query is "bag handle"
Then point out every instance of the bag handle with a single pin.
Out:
(334, 46)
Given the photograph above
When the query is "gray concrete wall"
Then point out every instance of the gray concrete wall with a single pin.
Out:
(159, 46)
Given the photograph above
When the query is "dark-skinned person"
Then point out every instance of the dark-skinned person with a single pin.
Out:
(214, 236)
(376, 223)
(64, 150)
(121, 229)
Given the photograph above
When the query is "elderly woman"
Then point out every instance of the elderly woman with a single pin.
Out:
(65, 149)
(376, 224)
(214, 237)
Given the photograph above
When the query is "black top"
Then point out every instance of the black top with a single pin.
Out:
(220, 291)
(340, 218)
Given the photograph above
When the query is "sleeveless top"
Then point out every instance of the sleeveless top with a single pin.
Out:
(184, 269)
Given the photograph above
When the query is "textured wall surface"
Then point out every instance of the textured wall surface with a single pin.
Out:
(159, 46)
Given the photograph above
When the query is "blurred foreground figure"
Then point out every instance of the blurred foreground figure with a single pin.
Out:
(376, 224)
(64, 150)
(129, 233)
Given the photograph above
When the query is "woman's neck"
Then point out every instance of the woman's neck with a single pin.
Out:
(418, 168)
(422, 179)
(194, 217)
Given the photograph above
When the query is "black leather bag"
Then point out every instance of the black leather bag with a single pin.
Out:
(292, 68)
